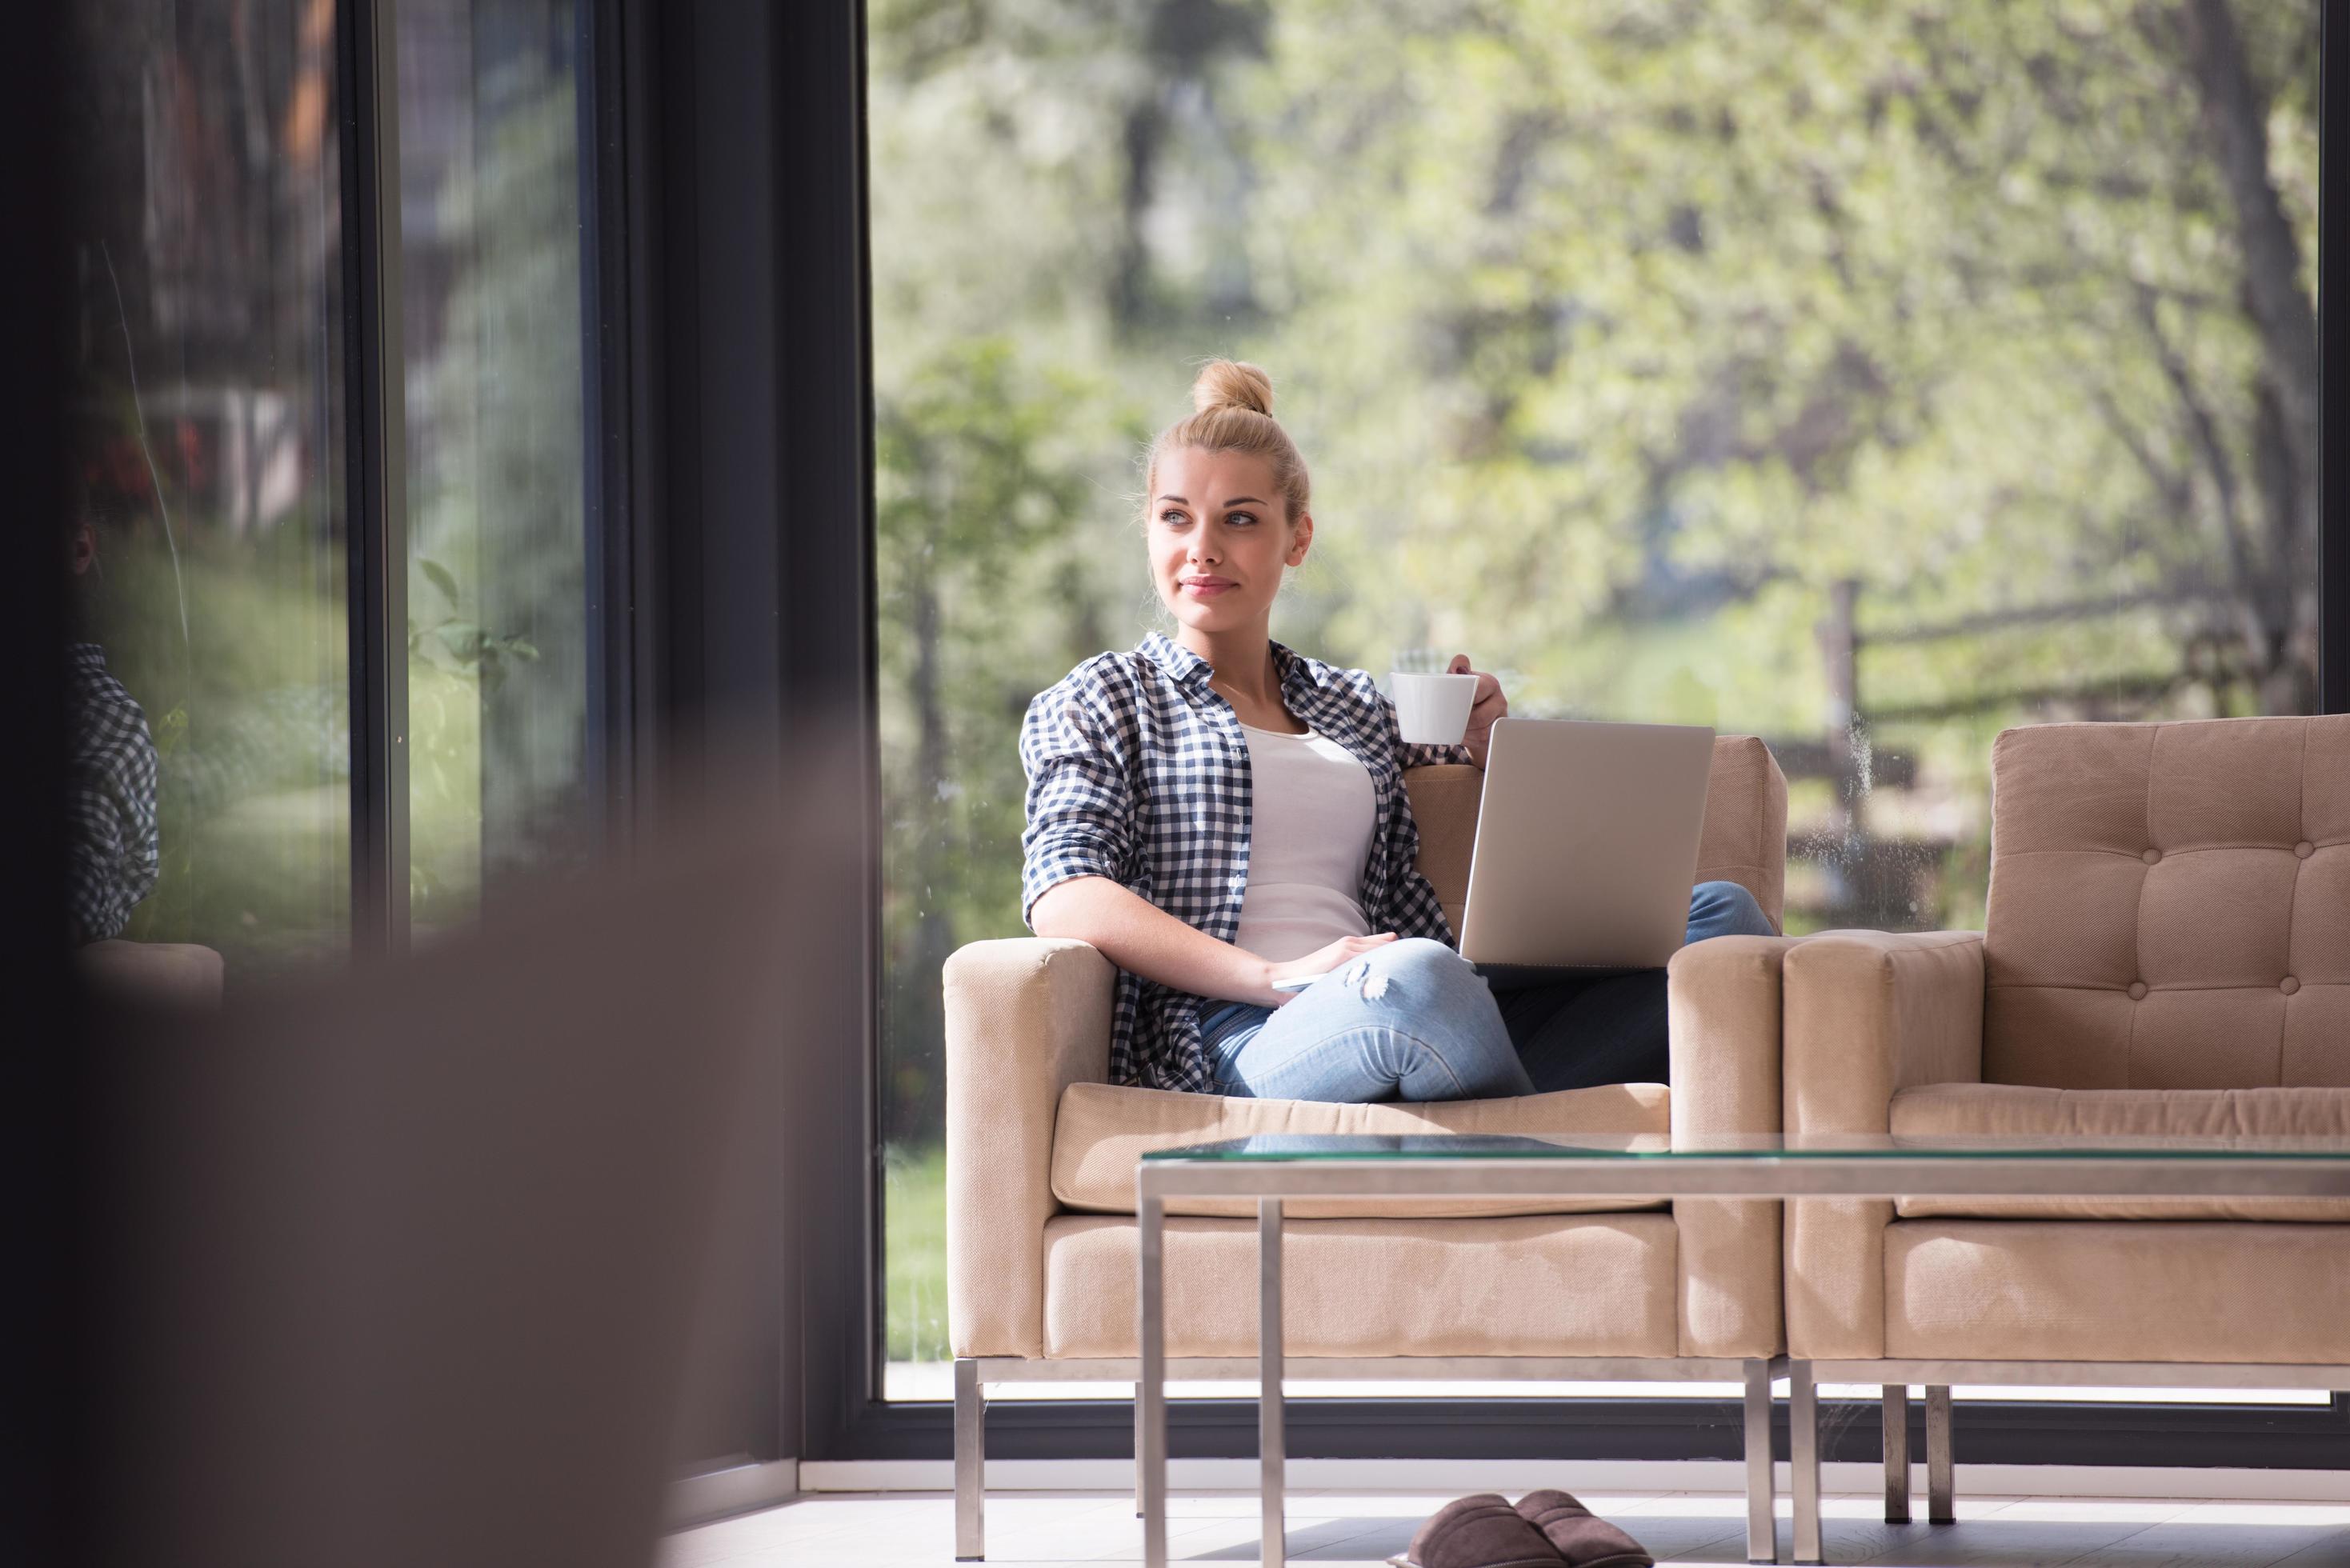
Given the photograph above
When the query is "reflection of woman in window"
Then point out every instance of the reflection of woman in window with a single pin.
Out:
(110, 840)
(1216, 813)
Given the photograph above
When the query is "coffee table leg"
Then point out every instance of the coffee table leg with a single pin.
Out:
(1150, 1393)
(1897, 1453)
(1271, 1445)
(1804, 1449)
(1762, 1477)
(1941, 1490)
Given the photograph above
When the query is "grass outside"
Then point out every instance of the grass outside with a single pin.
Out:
(914, 1251)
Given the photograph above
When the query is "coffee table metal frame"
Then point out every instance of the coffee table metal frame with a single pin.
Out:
(1775, 1174)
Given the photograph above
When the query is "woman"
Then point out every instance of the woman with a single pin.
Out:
(1219, 815)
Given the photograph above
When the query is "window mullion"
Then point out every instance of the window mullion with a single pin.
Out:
(375, 473)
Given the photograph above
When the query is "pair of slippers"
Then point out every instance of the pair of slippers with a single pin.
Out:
(1545, 1529)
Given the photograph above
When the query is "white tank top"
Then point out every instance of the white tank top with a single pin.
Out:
(1313, 815)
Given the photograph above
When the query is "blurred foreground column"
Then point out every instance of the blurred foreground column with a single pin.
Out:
(399, 1268)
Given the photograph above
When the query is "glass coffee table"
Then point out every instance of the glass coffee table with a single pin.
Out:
(1647, 1166)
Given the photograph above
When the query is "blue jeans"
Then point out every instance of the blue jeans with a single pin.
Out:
(1415, 1020)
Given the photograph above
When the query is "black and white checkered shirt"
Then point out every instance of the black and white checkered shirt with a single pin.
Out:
(1137, 771)
(110, 805)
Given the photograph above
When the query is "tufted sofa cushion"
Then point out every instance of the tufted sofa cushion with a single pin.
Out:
(2170, 906)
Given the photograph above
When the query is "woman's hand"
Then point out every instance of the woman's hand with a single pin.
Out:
(1321, 961)
(1490, 705)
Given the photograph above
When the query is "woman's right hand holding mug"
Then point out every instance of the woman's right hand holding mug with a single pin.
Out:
(1319, 963)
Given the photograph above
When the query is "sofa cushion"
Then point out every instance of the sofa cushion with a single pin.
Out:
(2039, 1290)
(2001, 1110)
(1535, 1285)
(164, 974)
(1104, 1130)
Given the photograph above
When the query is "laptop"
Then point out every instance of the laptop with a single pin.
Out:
(1586, 849)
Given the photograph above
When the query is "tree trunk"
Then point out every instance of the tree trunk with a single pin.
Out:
(2235, 115)
(920, 1042)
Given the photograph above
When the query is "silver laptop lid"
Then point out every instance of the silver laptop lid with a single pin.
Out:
(1586, 843)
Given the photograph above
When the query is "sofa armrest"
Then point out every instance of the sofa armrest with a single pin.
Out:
(157, 974)
(1745, 836)
(1724, 1004)
(1026, 1018)
(1867, 1013)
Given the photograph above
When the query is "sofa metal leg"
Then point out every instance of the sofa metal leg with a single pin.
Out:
(1150, 1390)
(1941, 1479)
(971, 1462)
(1761, 1476)
(1803, 1450)
(1897, 1453)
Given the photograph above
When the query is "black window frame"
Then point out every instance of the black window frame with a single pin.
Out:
(48, 1497)
(375, 468)
(623, 710)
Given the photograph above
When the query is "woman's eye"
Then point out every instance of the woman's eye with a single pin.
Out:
(1240, 517)
(1170, 518)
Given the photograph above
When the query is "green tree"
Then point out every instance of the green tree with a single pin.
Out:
(1988, 307)
(984, 599)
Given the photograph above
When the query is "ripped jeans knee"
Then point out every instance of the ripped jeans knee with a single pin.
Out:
(1365, 981)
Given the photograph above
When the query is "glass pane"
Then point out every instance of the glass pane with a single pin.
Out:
(497, 631)
(207, 536)
(1869, 378)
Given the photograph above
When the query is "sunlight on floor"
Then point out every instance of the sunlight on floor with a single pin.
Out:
(887, 1530)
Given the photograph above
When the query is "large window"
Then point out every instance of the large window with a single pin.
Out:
(216, 454)
(1868, 378)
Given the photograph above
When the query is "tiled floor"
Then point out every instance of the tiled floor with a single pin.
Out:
(887, 1530)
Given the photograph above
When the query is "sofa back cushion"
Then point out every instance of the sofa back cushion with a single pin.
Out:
(1744, 840)
(2169, 906)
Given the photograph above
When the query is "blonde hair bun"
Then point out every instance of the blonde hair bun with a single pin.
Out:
(1234, 413)
(1231, 384)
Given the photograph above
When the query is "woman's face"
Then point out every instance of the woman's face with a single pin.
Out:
(1220, 535)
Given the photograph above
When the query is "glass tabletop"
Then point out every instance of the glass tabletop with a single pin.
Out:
(1287, 1147)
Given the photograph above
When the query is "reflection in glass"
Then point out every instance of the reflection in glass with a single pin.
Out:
(1869, 378)
(206, 541)
(110, 835)
(497, 675)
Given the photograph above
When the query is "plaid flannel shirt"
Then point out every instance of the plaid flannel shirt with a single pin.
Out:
(1137, 771)
(112, 858)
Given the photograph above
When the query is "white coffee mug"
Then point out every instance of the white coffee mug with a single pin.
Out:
(1432, 710)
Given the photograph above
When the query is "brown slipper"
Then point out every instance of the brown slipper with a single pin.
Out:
(1480, 1531)
(1580, 1536)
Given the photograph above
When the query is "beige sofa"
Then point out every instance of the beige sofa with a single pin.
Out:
(154, 974)
(2168, 950)
(1041, 1152)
